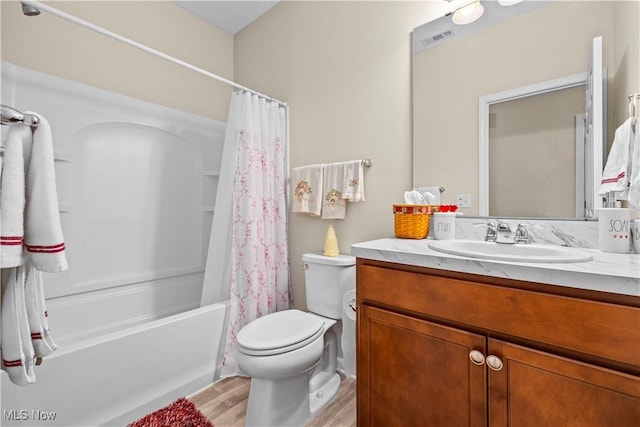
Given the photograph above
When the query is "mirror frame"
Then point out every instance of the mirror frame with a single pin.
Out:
(485, 102)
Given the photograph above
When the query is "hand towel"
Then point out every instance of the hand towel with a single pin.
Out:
(333, 205)
(41, 339)
(307, 190)
(43, 233)
(616, 171)
(634, 185)
(353, 181)
(18, 356)
(12, 197)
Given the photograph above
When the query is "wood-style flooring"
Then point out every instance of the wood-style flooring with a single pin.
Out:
(225, 402)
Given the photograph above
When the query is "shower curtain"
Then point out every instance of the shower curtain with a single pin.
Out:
(248, 254)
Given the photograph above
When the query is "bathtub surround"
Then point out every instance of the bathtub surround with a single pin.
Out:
(136, 184)
(250, 217)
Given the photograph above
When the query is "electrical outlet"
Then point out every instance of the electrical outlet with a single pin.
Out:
(464, 200)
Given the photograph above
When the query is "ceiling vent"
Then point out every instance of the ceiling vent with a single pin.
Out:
(427, 42)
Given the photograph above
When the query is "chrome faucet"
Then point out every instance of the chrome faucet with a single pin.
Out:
(522, 233)
(501, 233)
(491, 230)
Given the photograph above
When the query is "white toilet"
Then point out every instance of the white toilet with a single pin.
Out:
(291, 356)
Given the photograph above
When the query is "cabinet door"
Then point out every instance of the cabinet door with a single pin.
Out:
(416, 373)
(539, 389)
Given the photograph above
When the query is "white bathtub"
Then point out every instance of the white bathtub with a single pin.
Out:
(120, 376)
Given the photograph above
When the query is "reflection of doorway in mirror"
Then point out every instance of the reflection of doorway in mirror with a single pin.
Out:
(530, 138)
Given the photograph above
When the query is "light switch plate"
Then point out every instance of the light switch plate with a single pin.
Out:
(464, 200)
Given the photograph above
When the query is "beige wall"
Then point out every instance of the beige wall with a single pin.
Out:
(52, 45)
(626, 57)
(449, 78)
(344, 68)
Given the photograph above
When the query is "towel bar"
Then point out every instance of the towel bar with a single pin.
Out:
(11, 116)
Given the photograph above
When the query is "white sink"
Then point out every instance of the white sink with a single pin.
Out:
(510, 252)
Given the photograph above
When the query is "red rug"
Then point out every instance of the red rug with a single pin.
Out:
(181, 413)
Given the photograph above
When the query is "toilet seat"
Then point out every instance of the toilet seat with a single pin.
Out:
(279, 332)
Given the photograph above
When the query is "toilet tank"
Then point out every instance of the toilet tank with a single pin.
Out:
(326, 279)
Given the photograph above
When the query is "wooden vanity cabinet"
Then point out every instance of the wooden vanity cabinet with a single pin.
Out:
(437, 348)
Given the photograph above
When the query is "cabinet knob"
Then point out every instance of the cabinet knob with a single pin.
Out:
(476, 357)
(494, 363)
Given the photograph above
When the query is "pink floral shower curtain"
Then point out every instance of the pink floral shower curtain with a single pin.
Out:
(257, 261)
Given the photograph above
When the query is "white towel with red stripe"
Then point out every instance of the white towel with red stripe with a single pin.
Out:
(18, 354)
(634, 184)
(30, 224)
(41, 338)
(617, 170)
(43, 233)
(25, 330)
(12, 197)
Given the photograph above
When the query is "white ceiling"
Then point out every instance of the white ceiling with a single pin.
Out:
(230, 16)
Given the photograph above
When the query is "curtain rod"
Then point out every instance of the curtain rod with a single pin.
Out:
(93, 27)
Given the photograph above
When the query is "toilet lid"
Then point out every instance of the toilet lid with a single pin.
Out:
(279, 332)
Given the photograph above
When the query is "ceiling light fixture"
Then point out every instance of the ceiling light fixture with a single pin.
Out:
(508, 2)
(467, 14)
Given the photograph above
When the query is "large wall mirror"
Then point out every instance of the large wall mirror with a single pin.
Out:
(534, 43)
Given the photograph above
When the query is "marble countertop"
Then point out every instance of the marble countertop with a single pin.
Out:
(607, 272)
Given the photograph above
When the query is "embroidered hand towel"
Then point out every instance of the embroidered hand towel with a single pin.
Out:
(12, 197)
(307, 189)
(353, 185)
(616, 172)
(333, 205)
(43, 233)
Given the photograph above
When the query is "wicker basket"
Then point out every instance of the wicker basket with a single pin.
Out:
(412, 221)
